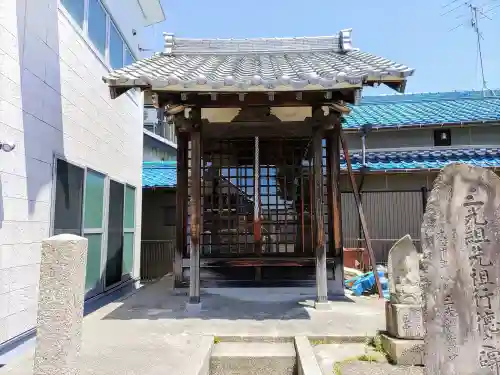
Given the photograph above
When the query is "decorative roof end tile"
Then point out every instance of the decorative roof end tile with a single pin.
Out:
(169, 43)
(345, 40)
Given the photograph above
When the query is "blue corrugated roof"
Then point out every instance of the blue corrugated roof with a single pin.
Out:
(403, 110)
(425, 159)
(163, 174)
(159, 174)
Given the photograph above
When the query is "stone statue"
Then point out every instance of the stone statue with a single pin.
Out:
(403, 273)
(403, 312)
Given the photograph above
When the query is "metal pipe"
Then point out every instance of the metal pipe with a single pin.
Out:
(302, 211)
(256, 193)
(363, 149)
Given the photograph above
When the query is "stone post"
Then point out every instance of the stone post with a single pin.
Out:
(403, 340)
(461, 272)
(60, 305)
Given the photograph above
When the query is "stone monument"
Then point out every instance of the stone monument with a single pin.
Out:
(403, 312)
(60, 305)
(461, 273)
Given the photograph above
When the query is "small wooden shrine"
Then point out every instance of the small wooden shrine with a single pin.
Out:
(259, 128)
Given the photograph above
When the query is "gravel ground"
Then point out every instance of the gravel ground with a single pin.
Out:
(374, 368)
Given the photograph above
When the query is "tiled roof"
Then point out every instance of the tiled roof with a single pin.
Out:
(163, 174)
(425, 109)
(425, 159)
(277, 64)
(159, 174)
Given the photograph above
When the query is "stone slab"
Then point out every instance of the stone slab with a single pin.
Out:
(132, 349)
(253, 349)
(327, 355)
(403, 352)
(307, 363)
(404, 321)
(461, 272)
(323, 306)
(253, 358)
(193, 308)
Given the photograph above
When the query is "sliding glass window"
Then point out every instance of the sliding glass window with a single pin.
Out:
(87, 203)
(129, 230)
(68, 200)
(114, 257)
(94, 229)
(97, 25)
(76, 9)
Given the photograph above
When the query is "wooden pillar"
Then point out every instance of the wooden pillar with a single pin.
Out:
(195, 206)
(319, 227)
(336, 246)
(181, 205)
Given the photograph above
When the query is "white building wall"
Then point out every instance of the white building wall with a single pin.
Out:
(53, 101)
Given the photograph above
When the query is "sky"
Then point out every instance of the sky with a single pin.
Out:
(413, 33)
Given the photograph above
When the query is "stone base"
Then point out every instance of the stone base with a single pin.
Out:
(404, 321)
(193, 308)
(322, 306)
(403, 352)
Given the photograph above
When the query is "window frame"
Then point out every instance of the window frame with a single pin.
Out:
(84, 33)
(103, 231)
(129, 230)
(112, 24)
(56, 158)
(106, 26)
(72, 18)
(101, 287)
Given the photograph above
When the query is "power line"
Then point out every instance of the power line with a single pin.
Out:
(476, 14)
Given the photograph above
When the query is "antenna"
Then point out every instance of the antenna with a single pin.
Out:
(476, 13)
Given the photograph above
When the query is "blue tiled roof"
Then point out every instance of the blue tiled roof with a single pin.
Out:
(421, 159)
(163, 174)
(403, 110)
(159, 174)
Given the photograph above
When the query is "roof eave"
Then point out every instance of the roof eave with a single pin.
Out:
(117, 88)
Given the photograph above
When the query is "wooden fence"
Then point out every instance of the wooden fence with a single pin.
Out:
(157, 259)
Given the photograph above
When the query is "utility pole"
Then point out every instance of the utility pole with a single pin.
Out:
(475, 27)
(476, 14)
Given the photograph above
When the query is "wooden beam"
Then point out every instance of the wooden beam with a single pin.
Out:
(333, 193)
(195, 206)
(319, 226)
(279, 99)
(246, 130)
(181, 205)
(364, 226)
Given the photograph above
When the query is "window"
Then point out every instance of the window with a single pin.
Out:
(114, 258)
(97, 25)
(76, 9)
(98, 21)
(93, 223)
(442, 137)
(68, 198)
(88, 204)
(129, 59)
(129, 230)
(116, 46)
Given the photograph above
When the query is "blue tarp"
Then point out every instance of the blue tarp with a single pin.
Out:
(366, 282)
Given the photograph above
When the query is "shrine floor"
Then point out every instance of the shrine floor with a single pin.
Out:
(150, 331)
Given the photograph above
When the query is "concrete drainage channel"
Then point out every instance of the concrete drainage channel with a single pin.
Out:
(265, 355)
